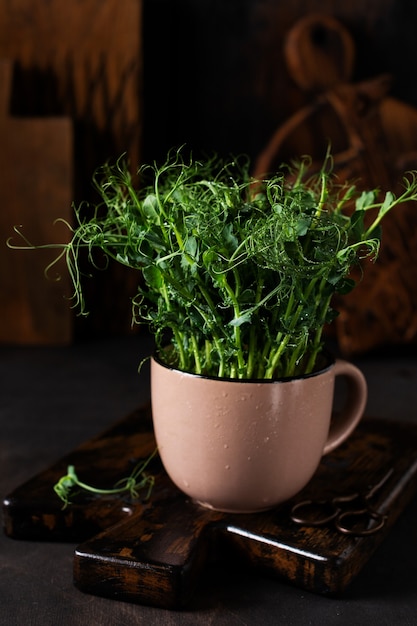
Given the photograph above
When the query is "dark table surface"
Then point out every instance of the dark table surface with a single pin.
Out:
(53, 399)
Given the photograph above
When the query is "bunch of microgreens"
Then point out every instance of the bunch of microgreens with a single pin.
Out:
(238, 275)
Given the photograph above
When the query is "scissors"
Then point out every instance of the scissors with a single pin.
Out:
(359, 518)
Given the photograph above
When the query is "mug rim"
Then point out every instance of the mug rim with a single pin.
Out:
(329, 363)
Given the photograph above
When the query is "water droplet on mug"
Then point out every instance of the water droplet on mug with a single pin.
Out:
(225, 446)
(225, 394)
(227, 467)
(186, 483)
(249, 458)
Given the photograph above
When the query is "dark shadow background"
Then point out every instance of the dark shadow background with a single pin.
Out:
(215, 77)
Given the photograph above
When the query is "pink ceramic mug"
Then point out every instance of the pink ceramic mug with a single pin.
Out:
(246, 446)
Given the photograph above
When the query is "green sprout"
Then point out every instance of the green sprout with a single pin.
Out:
(70, 484)
(239, 274)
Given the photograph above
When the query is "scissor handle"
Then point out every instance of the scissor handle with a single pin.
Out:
(311, 512)
(367, 514)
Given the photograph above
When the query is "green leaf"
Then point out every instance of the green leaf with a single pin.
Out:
(209, 258)
(244, 318)
(153, 277)
(345, 286)
(387, 204)
(357, 224)
(150, 208)
(229, 236)
(191, 246)
(122, 258)
(302, 226)
(366, 199)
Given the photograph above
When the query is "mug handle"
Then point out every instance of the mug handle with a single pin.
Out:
(352, 412)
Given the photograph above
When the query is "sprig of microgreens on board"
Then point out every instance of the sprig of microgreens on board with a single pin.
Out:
(70, 485)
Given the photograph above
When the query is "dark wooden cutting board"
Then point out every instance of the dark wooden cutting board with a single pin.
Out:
(154, 552)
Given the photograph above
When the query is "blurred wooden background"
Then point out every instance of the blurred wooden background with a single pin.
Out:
(142, 76)
(75, 95)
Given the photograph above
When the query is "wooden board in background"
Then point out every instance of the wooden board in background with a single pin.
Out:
(83, 61)
(35, 189)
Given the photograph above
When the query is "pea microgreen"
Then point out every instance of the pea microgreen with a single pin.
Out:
(70, 484)
(239, 274)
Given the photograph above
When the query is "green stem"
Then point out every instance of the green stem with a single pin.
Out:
(293, 317)
(283, 340)
(316, 342)
(236, 328)
(213, 326)
(196, 354)
(132, 483)
(323, 196)
(250, 367)
(276, 356)
(177, 335)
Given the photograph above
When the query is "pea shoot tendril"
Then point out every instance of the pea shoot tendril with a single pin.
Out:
(68, 485)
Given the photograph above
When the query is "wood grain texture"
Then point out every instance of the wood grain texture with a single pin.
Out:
(81, 61)
(155, 552)
(373, 138)
(36, 189)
